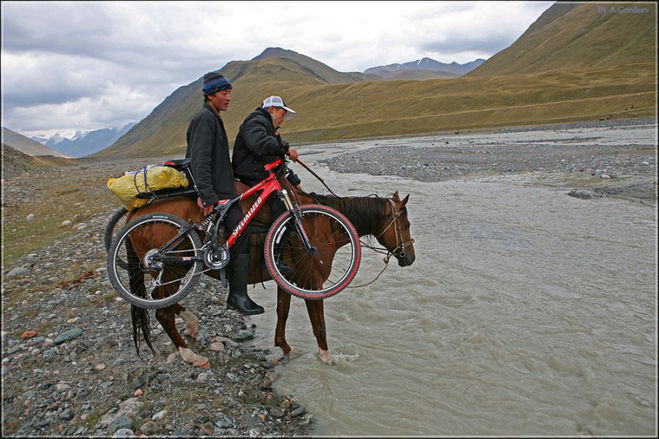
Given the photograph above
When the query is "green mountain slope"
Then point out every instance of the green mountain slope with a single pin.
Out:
(573, 63)
(322, 71)
(163, 131)
(26, 145)
(576, 36)
(414, 107)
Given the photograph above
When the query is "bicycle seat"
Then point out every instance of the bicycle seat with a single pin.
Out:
(271, 166)
(180, 163)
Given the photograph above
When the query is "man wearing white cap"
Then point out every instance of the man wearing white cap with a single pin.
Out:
(258, 143)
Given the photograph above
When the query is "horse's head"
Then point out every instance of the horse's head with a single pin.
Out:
(396, 231)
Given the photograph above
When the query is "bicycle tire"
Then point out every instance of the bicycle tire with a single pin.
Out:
(307, 271)
(145, 280)
(109, 227)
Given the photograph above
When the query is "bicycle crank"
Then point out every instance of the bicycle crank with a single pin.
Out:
(216, 257)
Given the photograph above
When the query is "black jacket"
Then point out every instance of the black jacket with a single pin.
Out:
(256, 145)
(208, 149)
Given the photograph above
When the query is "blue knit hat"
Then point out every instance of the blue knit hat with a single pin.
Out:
(214, 82)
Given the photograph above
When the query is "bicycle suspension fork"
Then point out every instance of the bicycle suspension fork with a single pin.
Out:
(297, 221)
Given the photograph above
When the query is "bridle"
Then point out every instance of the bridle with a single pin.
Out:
(398, 251)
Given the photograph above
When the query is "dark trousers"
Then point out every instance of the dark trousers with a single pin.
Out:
(233, 217)
(276, 207)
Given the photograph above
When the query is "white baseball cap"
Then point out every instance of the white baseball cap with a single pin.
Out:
(276, 101)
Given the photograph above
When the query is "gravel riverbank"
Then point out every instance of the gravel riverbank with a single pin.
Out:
(69, 366)
(576, 152)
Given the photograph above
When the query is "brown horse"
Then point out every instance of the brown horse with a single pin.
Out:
(384, 218)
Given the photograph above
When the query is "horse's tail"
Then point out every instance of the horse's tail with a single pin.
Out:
(139, 316)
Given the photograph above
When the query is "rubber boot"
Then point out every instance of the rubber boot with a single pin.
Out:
(238, 298)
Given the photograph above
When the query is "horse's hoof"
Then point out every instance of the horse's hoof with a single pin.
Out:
(294, 353)
(324, 356)
(190, 357)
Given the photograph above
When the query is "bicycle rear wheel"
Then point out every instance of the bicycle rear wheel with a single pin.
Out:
(319, 274)
(109, 227)
(151, 264)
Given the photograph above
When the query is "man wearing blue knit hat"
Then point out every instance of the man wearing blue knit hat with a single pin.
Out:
(208, 149)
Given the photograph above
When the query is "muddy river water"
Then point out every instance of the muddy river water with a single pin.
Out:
(526, 312)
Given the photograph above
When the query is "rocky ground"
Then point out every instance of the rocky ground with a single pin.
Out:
(591, 170)
(69, 366)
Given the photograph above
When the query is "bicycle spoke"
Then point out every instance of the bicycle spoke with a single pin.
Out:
(321, 273)
(146, 261)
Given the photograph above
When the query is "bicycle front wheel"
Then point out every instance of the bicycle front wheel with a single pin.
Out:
(153, 263)
(315, 273)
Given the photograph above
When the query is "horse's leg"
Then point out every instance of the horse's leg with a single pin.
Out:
(316, 311)
(283, 306)
(167, 319)
(191, 321)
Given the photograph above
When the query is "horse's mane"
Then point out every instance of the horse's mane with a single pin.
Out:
(365, 213)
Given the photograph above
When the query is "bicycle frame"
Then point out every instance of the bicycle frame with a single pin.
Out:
(268, 186)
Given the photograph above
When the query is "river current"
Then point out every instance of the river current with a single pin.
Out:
(526, 312)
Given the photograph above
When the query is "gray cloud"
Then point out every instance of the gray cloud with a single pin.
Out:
(468, 43)
(83, 65)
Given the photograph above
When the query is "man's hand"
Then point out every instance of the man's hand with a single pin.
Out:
(205, 209)
(292, 154)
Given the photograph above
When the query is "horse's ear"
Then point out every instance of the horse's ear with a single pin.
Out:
(405, 200)
(395, 197)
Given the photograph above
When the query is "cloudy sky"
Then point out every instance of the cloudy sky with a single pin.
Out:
(70, 66)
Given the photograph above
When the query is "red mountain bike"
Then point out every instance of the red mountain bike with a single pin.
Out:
(311, 251)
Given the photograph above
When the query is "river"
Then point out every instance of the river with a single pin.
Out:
(526, 312)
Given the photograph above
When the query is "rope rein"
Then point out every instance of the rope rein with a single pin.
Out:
(399, 250)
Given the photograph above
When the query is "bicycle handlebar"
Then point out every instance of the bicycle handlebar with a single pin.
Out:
(271, 166)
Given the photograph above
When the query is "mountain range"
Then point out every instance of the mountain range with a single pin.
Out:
(573, 63)
(424, 68)
(84, 143)
(26, 145)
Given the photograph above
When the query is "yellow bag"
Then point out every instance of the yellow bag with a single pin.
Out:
(144, 182)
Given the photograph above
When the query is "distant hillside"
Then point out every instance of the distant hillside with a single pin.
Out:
(15, 162)
(410, 70)
(26, 145)
(553, 86)
(416, 107)
(164, 130)
(415, 75)
(87, 143)
(580, 35)
(322, 71)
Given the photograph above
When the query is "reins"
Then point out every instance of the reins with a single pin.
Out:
(317, 176)
(400, 244)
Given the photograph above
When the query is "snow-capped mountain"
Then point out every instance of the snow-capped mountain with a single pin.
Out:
(425, 64)
(84, 142)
